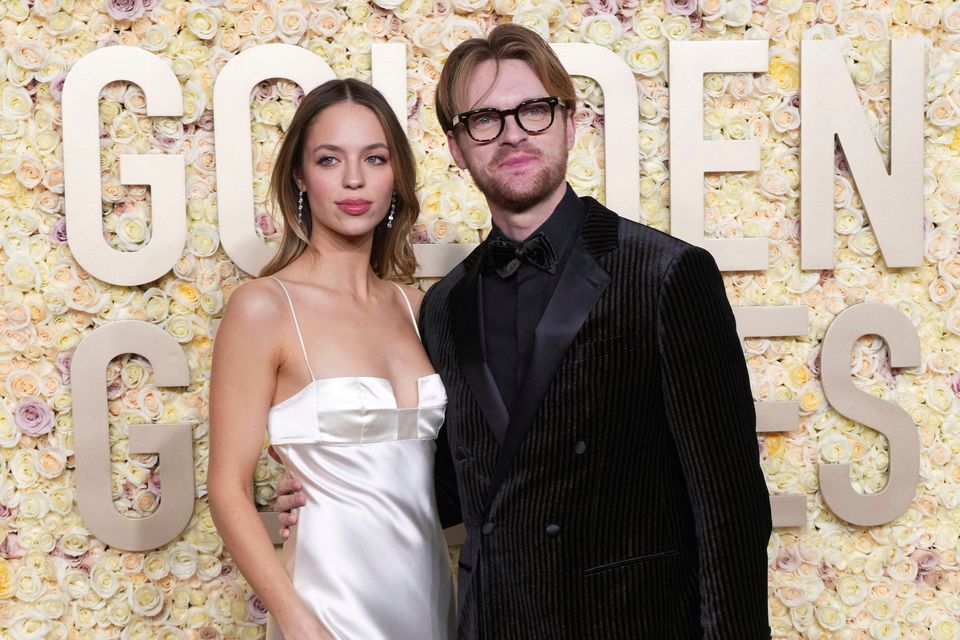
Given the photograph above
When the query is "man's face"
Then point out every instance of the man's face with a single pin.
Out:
(516, 170)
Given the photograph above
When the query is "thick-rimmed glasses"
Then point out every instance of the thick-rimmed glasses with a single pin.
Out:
(533, 116)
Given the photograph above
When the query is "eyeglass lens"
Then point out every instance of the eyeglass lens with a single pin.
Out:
(533, 117)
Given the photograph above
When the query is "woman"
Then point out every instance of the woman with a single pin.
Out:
(324, 351)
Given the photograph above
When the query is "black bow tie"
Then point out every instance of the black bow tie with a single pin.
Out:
(505, 256)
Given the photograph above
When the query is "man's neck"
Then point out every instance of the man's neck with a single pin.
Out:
(518, 225)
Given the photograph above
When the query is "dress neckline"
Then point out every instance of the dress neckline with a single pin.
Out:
(389, 385)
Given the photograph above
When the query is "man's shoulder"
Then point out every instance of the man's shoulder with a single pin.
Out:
(635, 237)
(440, 290)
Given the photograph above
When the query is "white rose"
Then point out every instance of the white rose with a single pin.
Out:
(648, 26)
(785, 117)
(183, 560)
(28, 54)
(829, 10)
(104, 581)
(31, 626)
(132, 231)
(676, 28)
(156, 565)
(146, 599)
(325, 22)
(874, 26)
(203, 240)
(29, 170)
(23, 468)
(203, 21)
(602, 28)
(737, 13)
(292, 22)
(74, 582)
(156, 38)
(75, 543)
(440, 229)
(951, 18)
(848, 221)
(646, 58)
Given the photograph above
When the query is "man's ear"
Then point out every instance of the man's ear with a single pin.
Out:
(571, 130)
(455, 150)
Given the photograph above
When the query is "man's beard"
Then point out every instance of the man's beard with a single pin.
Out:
(517, 198)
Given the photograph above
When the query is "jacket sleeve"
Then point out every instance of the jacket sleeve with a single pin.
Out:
(444, 472)
(711, 417)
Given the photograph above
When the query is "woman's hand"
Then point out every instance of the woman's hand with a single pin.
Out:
(289, 497)
(306, 627)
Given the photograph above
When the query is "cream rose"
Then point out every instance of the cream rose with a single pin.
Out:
(601, 28)
(203, 21)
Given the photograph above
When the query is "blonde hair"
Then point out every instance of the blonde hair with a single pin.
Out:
(392, 254)
(505, 42)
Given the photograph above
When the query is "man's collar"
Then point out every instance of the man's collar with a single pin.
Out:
(560, 227)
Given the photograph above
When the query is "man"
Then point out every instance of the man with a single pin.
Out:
(600, 429)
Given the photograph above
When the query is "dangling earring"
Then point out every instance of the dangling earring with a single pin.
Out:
(300, 209)
(393, 208)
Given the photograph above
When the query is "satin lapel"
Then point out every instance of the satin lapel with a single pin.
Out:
(580, 286)
(465, 300)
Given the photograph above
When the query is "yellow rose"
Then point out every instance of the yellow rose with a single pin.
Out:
(785, 72)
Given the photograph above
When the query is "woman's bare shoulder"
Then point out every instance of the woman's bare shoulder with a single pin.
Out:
(255, 302)
(414, 295)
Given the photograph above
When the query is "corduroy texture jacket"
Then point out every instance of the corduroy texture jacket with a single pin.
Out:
(622, 496)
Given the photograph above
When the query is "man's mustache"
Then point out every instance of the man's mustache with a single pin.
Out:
(506, 152)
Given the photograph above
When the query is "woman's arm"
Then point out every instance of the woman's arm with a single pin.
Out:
(247, 354)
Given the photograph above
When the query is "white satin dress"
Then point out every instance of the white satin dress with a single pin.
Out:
(368, 553)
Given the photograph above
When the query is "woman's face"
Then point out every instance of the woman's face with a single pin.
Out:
(346, 175)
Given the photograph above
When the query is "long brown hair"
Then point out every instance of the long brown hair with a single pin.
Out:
(392, 254)
(505, 42)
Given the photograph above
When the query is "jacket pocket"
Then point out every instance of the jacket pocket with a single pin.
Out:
(610, 566)
(599, 348)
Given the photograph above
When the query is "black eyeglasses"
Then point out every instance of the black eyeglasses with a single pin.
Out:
(533, 116)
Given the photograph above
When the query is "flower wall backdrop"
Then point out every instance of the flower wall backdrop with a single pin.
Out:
(828, 580)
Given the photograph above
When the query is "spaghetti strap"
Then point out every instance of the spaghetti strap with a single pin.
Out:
(297, 325)
(413, 318)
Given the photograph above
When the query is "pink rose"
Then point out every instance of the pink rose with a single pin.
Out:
(255, 609)
(266, 225)
(927, 560)
(955, 385)
(125, 9)
(681, 7)
(604, 6)
(58, 232)
(64, 361)
(11, 548)
(33, 416)
(56, 86)
(787, 560)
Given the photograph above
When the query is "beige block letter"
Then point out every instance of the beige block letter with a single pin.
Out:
(829, 107)
(887, 418)
(691, 156)
(81, 167)
(173, 442)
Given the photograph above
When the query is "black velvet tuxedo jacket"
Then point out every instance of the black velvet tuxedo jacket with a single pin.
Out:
(622, 497)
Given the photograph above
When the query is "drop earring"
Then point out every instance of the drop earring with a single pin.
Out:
(300, 209)
(393, 208)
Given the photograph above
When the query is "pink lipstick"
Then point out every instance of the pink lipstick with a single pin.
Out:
(354, 206)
